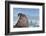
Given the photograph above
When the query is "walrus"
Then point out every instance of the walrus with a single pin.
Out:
(22, 22)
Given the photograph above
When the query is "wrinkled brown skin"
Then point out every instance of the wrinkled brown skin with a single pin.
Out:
(22, 22)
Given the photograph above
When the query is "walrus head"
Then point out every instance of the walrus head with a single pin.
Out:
(23, 21)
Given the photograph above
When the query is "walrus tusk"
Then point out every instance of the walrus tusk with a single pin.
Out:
(17, 20)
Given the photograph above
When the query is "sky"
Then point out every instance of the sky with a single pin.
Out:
(27, 11)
